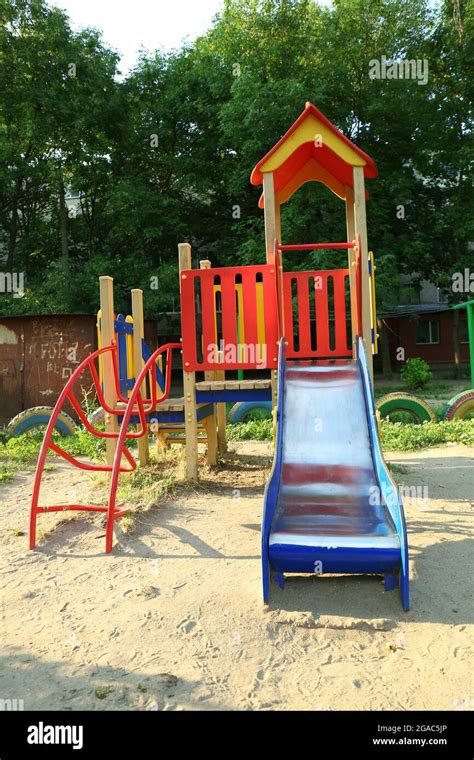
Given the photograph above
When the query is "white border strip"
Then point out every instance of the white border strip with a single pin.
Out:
(335, 542)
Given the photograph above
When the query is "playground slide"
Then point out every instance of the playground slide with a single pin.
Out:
(330, 504)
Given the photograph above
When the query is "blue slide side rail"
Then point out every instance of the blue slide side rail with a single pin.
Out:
(389, 493)
(272, 488)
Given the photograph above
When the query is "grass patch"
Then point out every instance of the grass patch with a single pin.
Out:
(253, 430)
(21, 453)
(103, 691)
(396, 436)
(149, 485)
(6, 472)
(433, 390)
(399, 437)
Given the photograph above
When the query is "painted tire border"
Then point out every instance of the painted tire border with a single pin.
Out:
(459, 406)
(36, 416)
(405, 402)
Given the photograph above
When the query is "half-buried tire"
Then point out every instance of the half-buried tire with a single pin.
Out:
(38, 416)
(418, 409)
(459, 406)
(241, 410)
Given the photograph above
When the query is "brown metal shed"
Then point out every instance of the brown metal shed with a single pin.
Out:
(39, 353)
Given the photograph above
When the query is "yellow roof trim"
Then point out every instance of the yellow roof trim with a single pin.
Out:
(308, 131)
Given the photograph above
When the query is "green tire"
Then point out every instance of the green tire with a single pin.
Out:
(405, 402)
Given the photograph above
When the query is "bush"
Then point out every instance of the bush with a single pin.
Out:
(416, 374)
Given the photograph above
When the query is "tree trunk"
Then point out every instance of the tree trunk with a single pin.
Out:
(12, 240)
(63, 225)
(384, 349)
(456, 346)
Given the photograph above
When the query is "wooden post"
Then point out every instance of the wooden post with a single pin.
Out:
(106, 285)
(272, 233)
(190, 425)
(221, 419)
(138, 363)
(350, 227)
(184, 253)
(361, 230)
(271, 216)
(211, 434)
(189, 387)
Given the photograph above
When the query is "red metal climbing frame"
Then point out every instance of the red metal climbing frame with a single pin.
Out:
(133, 405)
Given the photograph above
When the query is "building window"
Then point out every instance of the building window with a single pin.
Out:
(427, 332)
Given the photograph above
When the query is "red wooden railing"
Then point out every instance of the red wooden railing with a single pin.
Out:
(200, 343)
(314, 322)
(308, 329)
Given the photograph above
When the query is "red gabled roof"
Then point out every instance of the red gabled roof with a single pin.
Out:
(312, 149)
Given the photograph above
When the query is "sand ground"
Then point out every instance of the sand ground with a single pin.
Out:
(173, 618)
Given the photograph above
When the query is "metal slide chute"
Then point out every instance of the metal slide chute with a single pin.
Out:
(330, 504)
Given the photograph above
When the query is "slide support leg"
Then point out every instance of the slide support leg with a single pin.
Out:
(391, 581)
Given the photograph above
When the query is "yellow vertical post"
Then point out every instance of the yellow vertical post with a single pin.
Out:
(107, 318)
(373, 304)
(361, 230)
(189, 386)
(138, 363)
(210, 423)
(221, 419)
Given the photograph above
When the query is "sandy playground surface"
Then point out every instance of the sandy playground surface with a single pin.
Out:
(173, 618)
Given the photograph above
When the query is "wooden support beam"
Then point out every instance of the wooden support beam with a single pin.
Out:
(211, 434)
(350, 227)
(272, 233)
(270, 215)
(184, 254)
(106, 285)
(138, 363)
(189, 387)
(221, 418)
(190, 425)
(210, 423)
(360, 222)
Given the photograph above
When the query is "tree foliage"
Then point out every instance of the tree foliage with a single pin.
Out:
(164, 154)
